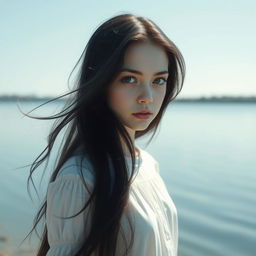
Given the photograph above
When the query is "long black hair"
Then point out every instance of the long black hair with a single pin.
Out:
(83, 117)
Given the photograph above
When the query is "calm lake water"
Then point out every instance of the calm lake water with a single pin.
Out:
(206, 153)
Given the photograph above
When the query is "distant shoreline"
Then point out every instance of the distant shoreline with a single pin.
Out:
(215, 99)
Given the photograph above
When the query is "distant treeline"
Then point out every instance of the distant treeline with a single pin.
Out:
(251, 99)
(26, 98)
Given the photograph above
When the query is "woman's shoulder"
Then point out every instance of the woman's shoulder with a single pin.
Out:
(76, 166)
(148, 160)
(74, 179)
(146, 156)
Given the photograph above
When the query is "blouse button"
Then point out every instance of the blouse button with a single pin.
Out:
(168, 236)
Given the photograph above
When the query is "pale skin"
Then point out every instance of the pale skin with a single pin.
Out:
(132, 92)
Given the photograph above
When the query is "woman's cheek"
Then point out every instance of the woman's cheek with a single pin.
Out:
(120, 98)
(125, 95)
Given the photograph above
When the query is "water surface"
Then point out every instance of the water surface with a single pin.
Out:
(206, 153)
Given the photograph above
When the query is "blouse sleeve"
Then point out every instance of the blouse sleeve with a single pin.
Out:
(157, 167)
(66, 196)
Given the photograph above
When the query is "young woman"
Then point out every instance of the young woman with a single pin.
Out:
(106, 196)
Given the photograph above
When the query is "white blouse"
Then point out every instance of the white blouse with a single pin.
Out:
(154, 215)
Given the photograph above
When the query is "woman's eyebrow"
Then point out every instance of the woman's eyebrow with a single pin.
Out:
(140, 73)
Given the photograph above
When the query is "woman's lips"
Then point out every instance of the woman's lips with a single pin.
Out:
(142, 115)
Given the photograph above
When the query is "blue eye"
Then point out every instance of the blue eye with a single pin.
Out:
(124, 79)
(164, 80)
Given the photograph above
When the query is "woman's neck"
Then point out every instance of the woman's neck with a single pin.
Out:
(127, 153)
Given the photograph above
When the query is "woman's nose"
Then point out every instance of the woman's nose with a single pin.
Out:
(146, 95)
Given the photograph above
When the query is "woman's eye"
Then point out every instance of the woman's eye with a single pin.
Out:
(126, 79)
(132, 79)
(163, 80)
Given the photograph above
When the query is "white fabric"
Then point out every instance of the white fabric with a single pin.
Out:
(154, 215)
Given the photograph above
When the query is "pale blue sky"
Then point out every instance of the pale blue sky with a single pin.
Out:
(41, 42)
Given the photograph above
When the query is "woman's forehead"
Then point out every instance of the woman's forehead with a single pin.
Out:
(145, 56)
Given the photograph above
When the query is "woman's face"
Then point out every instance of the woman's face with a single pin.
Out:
(132, 92)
